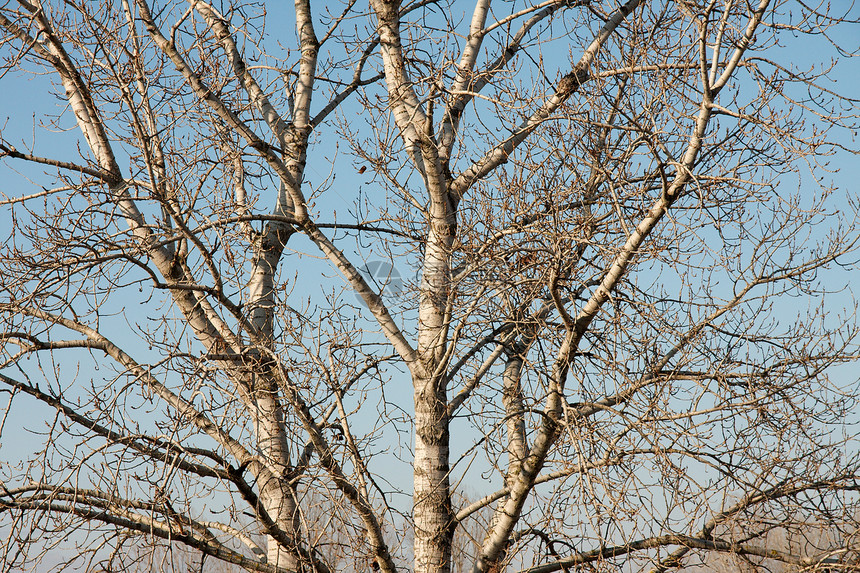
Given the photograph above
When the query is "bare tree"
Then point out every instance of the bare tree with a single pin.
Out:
(597, 240)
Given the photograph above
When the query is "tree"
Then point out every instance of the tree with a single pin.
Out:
(598, 241)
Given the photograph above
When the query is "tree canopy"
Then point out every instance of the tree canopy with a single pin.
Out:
(428, 285)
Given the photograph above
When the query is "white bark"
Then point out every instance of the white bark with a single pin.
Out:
(409, 116)
(469, 82)
(512, 398)
(432, 511)
(276, 497)
(567, 87)
(508, 512)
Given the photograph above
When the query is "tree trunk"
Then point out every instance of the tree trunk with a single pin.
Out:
(432, 501)
(276, 496)
(432, 511)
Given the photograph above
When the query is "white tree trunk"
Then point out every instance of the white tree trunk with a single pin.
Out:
(432, 501)
(432, 513)
(276, 497)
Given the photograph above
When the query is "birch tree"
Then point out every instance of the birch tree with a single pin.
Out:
(429, 286)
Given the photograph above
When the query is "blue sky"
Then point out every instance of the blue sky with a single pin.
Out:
(26, 101)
